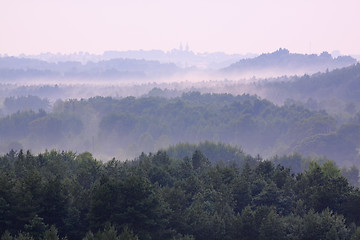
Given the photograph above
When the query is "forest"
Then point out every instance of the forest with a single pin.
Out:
(179, 120)
(64, 195)
(125, 127)
(274, 158)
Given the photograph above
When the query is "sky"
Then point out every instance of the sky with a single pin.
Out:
(231, 26)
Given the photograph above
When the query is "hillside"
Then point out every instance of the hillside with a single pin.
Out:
(342, 84)
(282, 62)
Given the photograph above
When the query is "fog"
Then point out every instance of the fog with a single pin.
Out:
(124, 107)
(57, 98)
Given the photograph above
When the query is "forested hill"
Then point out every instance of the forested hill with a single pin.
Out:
(62, 195)
(126, 127)
(341, 84)
(282, 62)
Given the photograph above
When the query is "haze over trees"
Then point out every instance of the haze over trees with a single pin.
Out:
(317, 114)
(210, 158)
(126, 127)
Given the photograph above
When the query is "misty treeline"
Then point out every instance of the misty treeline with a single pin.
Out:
(63, 195)
(335, 91)
(321, 90)
(115, 66)
(125, 127)
(12, 68)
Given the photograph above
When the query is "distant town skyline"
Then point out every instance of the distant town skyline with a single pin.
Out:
(230, 26)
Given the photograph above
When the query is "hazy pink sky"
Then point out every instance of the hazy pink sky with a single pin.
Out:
(232, 26)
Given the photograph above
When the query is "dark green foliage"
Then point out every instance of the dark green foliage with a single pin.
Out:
(62, 195)
(127, 234)
(36, 227)
(51, 234)
(325, 225)
(272, 227)
(199, 161)
(323, 187)
(6, 236)
(215, 152)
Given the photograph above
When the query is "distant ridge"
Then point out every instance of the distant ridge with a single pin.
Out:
(282, 61)
(181, 57)
(18, 68)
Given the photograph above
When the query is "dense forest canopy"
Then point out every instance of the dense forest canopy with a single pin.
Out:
(55, 195)
(126, 127)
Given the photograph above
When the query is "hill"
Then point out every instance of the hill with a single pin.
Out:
(282, 62)
(342, 84)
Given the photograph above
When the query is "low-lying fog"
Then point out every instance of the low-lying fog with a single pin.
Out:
(111, 113)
